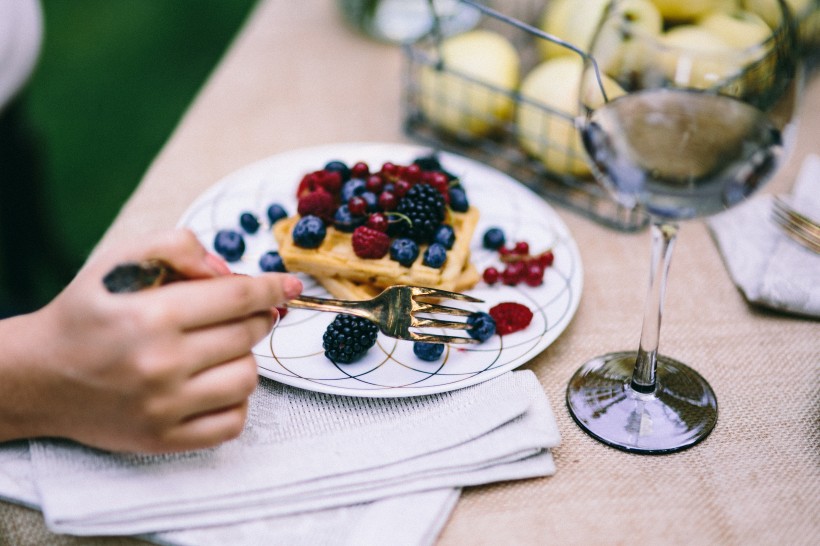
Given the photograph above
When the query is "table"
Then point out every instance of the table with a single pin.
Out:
(299, 77)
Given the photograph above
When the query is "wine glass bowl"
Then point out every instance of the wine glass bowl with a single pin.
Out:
(703, 123)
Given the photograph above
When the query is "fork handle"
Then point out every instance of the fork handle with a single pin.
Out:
(329, 304)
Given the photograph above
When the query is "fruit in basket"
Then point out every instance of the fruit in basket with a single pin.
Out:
(576, 21)
(470, 95)
(739, 29)
(687, 10)
(545, 117)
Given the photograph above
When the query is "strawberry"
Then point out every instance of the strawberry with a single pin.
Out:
(510, 317)
(317, 203)
(370, 243)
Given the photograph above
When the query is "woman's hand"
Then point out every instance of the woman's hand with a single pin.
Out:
(164, 369)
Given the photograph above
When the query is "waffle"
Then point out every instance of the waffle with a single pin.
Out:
(336, 266)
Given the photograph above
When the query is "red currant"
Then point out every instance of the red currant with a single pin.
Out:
(401, 188)
(390, 170)
(374, 183)
(377, 221)
(513, 273)
(534, 274)
(357, 205)
(522, 248)
(439, 181)
(490, 275)
(546, 258)
(360, 170)
(412, 173)
(388, 201)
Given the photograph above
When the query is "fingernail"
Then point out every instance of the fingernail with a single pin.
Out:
(217, 264)
(292, 286)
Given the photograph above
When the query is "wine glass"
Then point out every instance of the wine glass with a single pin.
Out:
(690, 129)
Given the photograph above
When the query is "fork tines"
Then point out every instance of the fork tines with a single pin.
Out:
(435, 308)
(797, 226)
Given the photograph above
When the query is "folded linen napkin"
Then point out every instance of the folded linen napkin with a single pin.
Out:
(769, 268)
(302, 452)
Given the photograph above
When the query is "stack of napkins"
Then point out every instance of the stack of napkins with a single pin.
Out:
(308, 466)
(769, 268)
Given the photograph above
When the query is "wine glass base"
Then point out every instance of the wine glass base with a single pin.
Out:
(680, 412)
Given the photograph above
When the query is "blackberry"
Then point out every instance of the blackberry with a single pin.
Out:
(425, 208)
(348, 338)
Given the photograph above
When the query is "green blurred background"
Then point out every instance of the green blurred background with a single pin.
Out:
(113, 79)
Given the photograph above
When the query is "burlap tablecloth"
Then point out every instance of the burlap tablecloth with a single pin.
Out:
(296, 77)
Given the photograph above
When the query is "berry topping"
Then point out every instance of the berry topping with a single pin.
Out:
(276, 212)
(354, 186)
(428, 351)
(330, 181)
(272, 262)
(338, 167)
(346, 222)
(425, 208)
(318, 203)
(374, 183)
(360, 170)
(377, 221)
(435, 256)
(309, 232)
(249, 222)
(404, 250)
(357, 205)
(348, 338)
(494, 238)
(445, 236)
(369, 243)
(482, 326)
(533, 273)
(388, 201)
(510, 317)
(458, 199)
(229, 244)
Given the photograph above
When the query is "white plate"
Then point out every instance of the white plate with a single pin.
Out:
(292, 353)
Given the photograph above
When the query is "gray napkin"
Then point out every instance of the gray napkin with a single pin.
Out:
(304, 457)
(769, 268)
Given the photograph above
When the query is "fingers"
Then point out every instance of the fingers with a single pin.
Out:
(196, 304)
(206, 430)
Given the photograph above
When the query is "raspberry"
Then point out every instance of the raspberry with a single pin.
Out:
(348, 338)
(318, 203)
(510, 317)
(370, 243)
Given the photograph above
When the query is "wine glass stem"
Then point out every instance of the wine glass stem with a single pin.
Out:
(663, 242)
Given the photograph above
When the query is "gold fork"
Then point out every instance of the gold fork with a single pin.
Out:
(396, 310)
(797, 226)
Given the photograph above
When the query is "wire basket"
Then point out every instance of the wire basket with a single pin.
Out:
(546, 165)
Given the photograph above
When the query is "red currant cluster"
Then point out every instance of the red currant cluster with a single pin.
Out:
(519, 266)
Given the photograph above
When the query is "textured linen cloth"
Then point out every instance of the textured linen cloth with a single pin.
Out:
(767, 266)
(303, 457)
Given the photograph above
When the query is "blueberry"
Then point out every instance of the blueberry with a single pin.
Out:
(404, 250)
(371, 199)
(482, 326)
(458, 199)
(446, 236)
(309, 232)
(339, 167)
(272, 262)
(435, 255)
(249, 222)
(346, 222)
(276, 212)
(354, 186)
(494, 238)
(389, 187)
(229, 244)
(428, 351)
